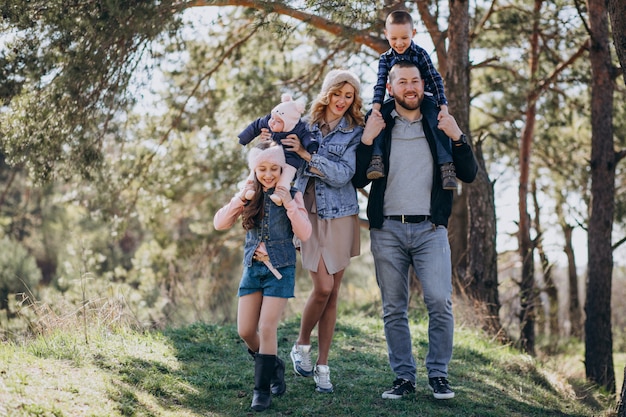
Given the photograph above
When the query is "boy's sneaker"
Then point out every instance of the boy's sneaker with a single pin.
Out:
(322, 379)
(376, 168)
(301, 358)
(448, 176)
(441, 388)
(401, 387)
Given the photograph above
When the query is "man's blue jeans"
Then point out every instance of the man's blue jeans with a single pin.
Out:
(395, 247)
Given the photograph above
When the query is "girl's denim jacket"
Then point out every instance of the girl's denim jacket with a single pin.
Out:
(335, 196)
(276, 232)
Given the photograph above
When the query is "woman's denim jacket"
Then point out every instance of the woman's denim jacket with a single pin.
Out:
(275, 231)
(335, 196)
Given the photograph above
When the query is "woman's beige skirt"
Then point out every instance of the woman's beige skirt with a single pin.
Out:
(334, 240)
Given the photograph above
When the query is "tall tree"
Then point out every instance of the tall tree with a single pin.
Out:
(574, 304)
(66, 74)
(550, 320)
(521, 100)
(473, 248)
(617, 12)
(598, 332)
(527, 284)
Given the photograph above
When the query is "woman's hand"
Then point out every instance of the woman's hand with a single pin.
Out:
(292, 143)
(283, 193)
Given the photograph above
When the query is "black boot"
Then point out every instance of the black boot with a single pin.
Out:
(277, 383)
(263, 370)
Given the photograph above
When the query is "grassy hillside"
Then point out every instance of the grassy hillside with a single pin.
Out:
(204, 370)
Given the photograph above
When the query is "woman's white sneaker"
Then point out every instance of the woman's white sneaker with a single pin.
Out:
(322, 379)
(301, 358)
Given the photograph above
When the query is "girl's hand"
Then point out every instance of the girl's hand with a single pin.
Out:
(265, 134)
(247, 192)
(283, 193)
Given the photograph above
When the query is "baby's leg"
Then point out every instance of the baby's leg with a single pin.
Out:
(285, 180)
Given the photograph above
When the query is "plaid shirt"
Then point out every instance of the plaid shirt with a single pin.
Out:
(419, 56)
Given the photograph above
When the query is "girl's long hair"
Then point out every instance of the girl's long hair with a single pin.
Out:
(353, 115)
(253, 211)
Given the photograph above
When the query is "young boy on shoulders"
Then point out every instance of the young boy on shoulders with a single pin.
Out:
(399, 31)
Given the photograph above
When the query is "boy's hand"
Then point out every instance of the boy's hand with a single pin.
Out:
(450, 127)
(374, 125)
(443, 111)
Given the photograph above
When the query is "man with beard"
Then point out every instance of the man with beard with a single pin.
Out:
(408, 212)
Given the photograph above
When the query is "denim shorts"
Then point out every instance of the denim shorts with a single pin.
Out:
(258, 277)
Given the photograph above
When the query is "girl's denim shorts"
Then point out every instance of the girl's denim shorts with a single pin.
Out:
(258, 277)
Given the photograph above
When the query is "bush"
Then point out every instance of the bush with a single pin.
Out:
(18, 272)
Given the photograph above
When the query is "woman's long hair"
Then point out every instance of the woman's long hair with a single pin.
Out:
(353, 115)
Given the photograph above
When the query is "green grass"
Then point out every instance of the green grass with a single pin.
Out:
(204, 370)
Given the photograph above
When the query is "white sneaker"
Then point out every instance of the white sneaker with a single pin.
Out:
(301, 358)
(322, 379)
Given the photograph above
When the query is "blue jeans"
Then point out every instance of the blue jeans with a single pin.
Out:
(258, 277)
(395, 247)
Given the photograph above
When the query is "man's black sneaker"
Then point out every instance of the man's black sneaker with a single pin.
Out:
(401, 387)
(441, 388)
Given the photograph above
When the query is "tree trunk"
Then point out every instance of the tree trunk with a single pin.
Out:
(598, 332)
(457, 91)
(527, 285)
(549, 288)
(621, 407)
(574, 308)
(617, 11)
(575, 313)
(473, 248)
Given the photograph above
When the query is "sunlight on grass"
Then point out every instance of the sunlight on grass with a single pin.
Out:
(204, 370)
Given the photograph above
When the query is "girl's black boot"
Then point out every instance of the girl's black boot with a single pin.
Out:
(263, 370)
(277, 383)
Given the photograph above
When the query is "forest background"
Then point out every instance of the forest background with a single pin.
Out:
(119, 123)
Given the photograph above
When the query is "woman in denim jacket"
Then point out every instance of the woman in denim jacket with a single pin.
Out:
(336, 121)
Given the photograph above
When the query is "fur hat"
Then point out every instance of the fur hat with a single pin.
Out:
(273, 154)
(289, 111)
(338, 76)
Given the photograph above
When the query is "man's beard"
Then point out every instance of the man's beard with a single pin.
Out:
(407, 106)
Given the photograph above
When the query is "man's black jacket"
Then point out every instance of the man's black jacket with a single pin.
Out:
(440, 199)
